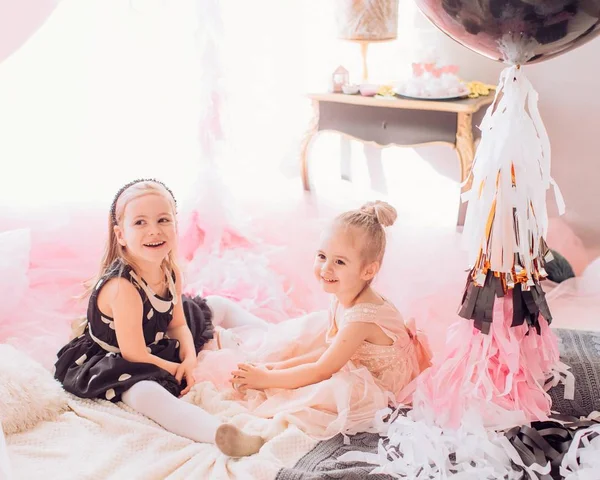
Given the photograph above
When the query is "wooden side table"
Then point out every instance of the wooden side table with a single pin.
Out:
(399, 122)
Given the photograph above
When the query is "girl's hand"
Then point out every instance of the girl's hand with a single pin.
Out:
(186, 370)
(251, 376)
(170, 367)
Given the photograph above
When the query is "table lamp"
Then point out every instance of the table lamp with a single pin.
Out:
(367, 21)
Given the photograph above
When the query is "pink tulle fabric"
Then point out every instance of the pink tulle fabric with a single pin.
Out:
(500, 375)
(43, 270)
(46, 255)
(375, 377)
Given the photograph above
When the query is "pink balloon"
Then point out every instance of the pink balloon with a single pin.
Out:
(19, 20)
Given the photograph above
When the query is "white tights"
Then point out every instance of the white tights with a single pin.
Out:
(228, 314)
(173, 414)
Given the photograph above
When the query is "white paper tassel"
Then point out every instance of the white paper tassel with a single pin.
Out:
(582, 460)
(513, 137)
(426, 452)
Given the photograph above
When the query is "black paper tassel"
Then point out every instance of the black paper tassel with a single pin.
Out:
(478, 303)
(547, 441)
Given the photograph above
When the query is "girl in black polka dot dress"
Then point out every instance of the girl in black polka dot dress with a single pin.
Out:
(142, 336)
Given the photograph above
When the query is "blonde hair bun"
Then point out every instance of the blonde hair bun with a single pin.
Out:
(385, 214)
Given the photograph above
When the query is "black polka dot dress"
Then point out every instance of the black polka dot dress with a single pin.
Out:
(91, 365)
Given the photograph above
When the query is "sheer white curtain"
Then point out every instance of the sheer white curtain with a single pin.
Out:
(277, 51)
(110, 90)
(105, 91)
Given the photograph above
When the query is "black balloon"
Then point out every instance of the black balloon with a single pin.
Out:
(517, 32)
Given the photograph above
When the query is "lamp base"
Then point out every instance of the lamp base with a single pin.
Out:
(364, 47)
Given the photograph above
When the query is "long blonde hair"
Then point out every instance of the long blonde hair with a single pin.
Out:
(114, 250)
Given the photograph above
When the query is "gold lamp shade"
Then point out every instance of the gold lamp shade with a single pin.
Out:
(367, 20)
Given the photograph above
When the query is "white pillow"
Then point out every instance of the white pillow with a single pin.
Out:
(28, 392)
(15, 247)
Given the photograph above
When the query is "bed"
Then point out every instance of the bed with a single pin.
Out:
(95, 439)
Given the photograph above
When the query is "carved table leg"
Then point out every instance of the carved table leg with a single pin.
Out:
(465, 148)
(373, 156)
(305, 143)
(345, 158)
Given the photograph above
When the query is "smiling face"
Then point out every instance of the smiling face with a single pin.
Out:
(339, 266)
(147, 230)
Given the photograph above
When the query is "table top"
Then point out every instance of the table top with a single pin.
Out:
(466, 105)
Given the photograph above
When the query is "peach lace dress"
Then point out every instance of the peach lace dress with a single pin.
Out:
(375, 377)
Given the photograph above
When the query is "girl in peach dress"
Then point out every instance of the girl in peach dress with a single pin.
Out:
(369, 355)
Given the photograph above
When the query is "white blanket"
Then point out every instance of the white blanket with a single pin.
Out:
(96, 439)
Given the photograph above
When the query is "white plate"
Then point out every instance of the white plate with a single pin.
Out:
(464, 93)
